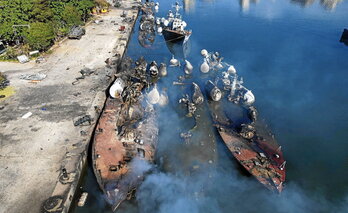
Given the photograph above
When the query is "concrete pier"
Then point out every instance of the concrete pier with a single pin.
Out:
(42, 155)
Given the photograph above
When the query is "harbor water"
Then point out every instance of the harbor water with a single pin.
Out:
(288, 53)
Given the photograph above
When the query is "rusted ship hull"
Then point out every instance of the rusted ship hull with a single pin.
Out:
(260, 156)
(120, 155)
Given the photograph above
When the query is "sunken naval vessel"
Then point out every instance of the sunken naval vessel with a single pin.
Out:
(174, 27)
(147, 26)
(235, 118)
(125, 138)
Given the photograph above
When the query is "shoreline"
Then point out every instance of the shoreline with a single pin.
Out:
(43, 156)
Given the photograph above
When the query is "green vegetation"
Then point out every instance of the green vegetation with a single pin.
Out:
(40, 35)
(38, 23)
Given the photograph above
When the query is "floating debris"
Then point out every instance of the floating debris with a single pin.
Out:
(163, 70)
(83, 199)
(197, 96)
(186, 136)
(174, 62)
(252, 113)
(188, 67)
(204, 53)
(147, 33)
(205, 66)
(153, 96)
(156, 7)
(163, 99)
(232, 70)
(153, 69)
(248, 97)
(213, 91)
(191, 107)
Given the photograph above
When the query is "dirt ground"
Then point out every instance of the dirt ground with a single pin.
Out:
(34, 150)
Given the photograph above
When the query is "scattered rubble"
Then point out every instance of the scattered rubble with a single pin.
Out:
(82, 120)
(3, 81)
(27, 115)
(186, 136)
(197, 96)
(33, 77)
(135, 139)
(83, 199)
(40, 59)
(23, 59)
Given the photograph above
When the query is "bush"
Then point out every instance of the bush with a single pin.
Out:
(11, 53)
(71, 16)
(102, 3)
(40, 36)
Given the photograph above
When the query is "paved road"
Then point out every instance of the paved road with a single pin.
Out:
(34, 150)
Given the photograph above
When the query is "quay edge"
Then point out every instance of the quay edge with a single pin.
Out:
(75, 162)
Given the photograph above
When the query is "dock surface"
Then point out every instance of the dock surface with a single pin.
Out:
(42, 154)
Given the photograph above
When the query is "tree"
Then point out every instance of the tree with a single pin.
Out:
(58, 16)
(84, 7)
(40, 36)
(14, 12)
(41, 11)
(71, 16)
(102, 3)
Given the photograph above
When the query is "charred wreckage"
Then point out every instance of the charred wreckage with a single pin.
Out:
(126, 135)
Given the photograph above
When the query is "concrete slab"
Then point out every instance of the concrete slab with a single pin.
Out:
(35, 150)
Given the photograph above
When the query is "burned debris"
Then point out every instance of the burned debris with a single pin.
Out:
(3, 81)
(147, 26)
(163, 70)
(245, 140)
(83, 120)
(126, 135)
(125, 143)
(153, 69)
(197, 96)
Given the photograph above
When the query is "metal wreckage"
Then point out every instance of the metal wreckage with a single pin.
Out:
(147, 27)
(126, 135)
(248, 139)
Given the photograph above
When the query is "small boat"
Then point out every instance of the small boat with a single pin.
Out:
(174, 27)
